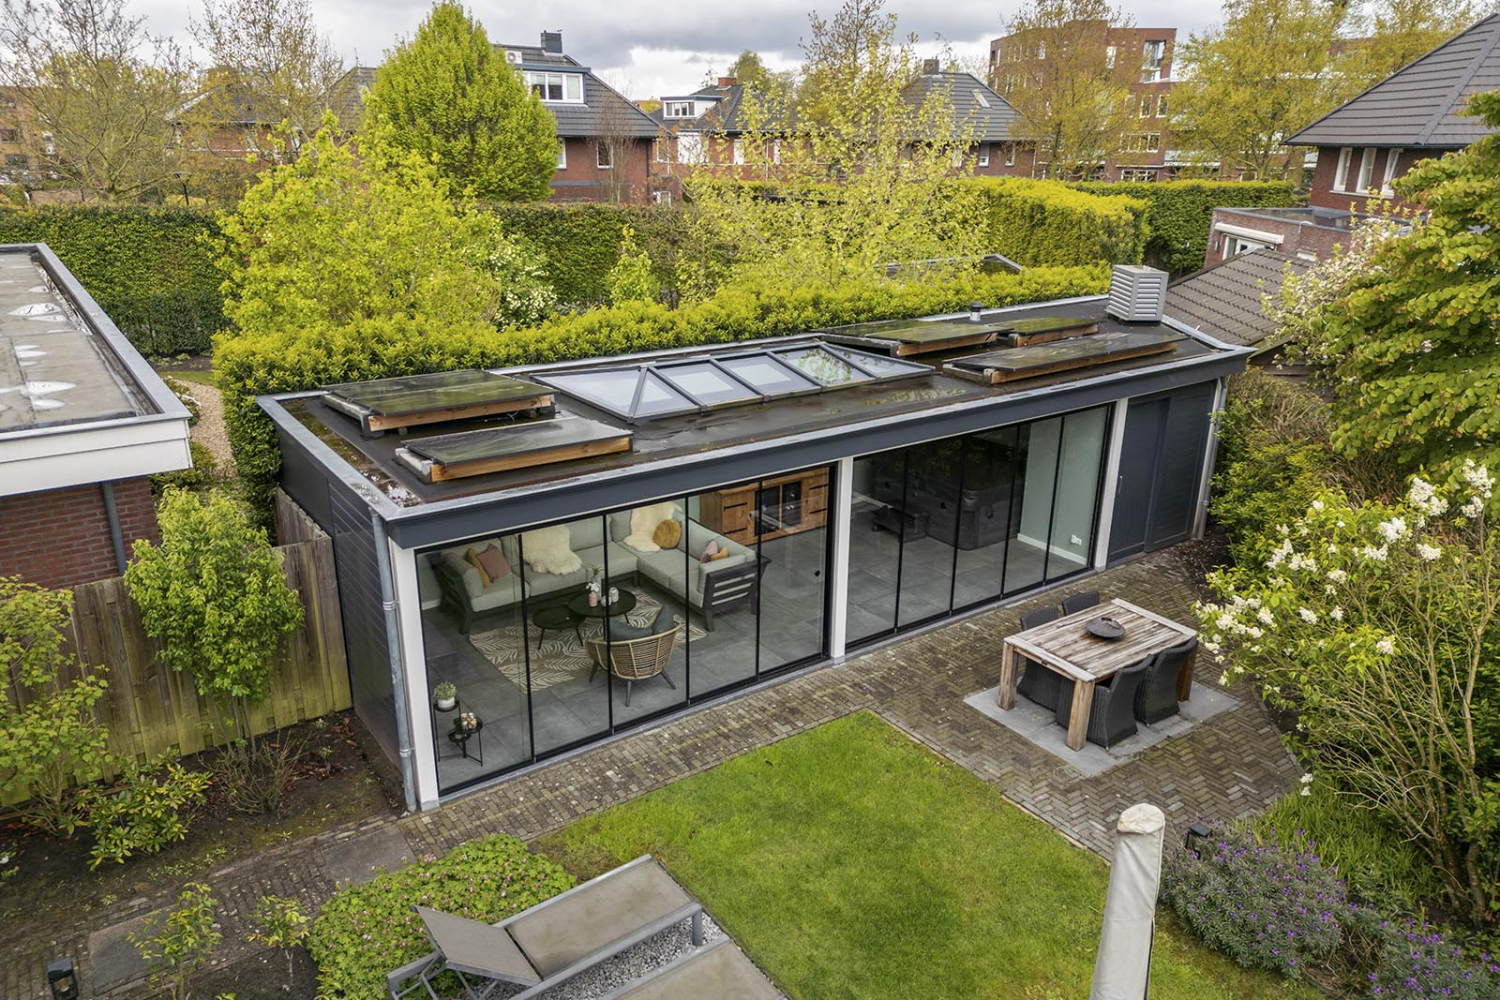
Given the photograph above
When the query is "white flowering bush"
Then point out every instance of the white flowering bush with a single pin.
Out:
(1379, 625)
(524, 295)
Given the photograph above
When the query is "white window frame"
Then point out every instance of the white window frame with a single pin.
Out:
(660, 150)
(678, 109)
(690, 147)
(773, 150)
(1146, 106)
(1161, 105)
(1109, 57)
(662, 197)
(562, 155)
(980, 99)
(737, 152)
(1366, 170)
(1010, 154)
(1341, 171)
(603, 156)
(984, 154)
(541, 82)
(1392, 162)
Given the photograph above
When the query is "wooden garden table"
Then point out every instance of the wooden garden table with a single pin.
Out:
(1065, 646)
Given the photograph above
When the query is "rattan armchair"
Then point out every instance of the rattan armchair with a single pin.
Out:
(1157, 697)
(1112, 717)
(637, 658)
(1039, 684)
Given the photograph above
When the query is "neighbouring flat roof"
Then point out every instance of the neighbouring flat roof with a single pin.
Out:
(717, 432)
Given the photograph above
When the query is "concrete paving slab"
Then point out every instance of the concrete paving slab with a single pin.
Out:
(113, 960)
(359, 859)
(1036, 725)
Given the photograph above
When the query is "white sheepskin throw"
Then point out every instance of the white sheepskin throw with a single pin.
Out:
(549, 550)
(643, 522)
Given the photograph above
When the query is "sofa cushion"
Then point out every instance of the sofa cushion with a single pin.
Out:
(492, 562)
(665, 622)
(667, 534)
(454, 560)
(623, 561)
(549, 550)
(585, 533)
(498, 595)
(621, 630)
(643, 524)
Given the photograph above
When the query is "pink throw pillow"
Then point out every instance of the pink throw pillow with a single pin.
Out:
(710, 550)
(493, 561)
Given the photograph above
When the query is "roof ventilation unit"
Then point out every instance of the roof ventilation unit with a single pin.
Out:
(1137, 294)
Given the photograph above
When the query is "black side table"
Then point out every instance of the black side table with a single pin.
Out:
(461, 738)
(441, 720)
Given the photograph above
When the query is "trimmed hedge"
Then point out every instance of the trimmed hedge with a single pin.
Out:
(1181, 212)
(1041, 223)
(149, 268)
(582, 242)
(303, 359)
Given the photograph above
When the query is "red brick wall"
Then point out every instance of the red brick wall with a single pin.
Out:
(60, 538)
(1296, 237)
(584, 180)
(1323, 195)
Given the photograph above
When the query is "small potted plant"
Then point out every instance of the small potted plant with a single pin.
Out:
(445, 696)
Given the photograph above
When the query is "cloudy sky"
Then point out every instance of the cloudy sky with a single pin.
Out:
(669, 46)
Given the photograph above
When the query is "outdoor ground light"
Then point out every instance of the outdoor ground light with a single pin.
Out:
(1196, 833)
(62, 980)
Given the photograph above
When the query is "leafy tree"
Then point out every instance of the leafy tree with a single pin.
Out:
(749, 69)
(1058, 70)
(1411, 344)
(280, 923)
(49, 738)
(341, 238)
(1388, 34)
(1249, 83)
(1377, 624)
(271, 51)
(100, 93)
(862, 181)
(446, 93)
(632, 279)
(214, 595)
(182, 941)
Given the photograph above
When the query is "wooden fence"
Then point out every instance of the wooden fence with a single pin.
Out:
(149, 708)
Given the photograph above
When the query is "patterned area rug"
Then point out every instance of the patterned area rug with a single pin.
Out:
(560, 656)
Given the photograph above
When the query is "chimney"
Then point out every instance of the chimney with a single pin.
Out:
(552, 42)
(929, 67)
(1137, 294)
(725, 82)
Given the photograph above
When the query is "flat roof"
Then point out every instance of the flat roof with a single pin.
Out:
(1310, 215)
(714, 433)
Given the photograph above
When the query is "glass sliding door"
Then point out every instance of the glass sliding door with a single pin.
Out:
(792, 519)
(929, 530)
(875, 530)
(1036, 481)
(647, 650)
(721, 580)
(988, 516)
(1071, 539)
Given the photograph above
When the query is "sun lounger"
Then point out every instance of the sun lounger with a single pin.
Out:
(721, 972)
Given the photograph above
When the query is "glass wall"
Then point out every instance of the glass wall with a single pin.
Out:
(949, 524)
(556, 636)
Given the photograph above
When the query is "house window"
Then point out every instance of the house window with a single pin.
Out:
(1237, 245)
(1146, 142)
(563, 87)
(1137, 174)
(1161, 106)
(1366, 170)
(773, 150)
(662, 197)
(1341, 172)
(1109, 57)
(980, 99)
(1392, 161)
(689, 147)
(15, 159)
(1146, 105)
(1010, 154)
(1154, 54)
(678, 109)
(739, 151)
(7, 135)
(604, 157)
(1041, 50)
(984, 154)
(660, 147)
(562, 156)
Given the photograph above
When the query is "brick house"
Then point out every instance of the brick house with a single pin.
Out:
(606, 141)
(84, 423)
(1149, 156)
(1364, 145)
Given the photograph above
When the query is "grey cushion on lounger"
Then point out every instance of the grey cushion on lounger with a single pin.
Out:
(473, 946)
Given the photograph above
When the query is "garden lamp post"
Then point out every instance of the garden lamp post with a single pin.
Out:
(62, 980)
(1123, 969)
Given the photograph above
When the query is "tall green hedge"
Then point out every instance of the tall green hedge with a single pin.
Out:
(582, 242)
(1041, 223)
(1181, 212)
(149, 268)
(304, 359)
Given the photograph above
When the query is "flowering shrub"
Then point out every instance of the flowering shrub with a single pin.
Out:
(1417, 962)
(1265, 906)
(1377, 625)
(367, 930)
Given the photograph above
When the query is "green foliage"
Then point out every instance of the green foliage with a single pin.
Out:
(1415, 362)
(280, 923)
(633, 279)
(256, 775)
(149, 268)
(175, 945)
(580, 243)
(338, 238)
(148, 811)
(367, 930)
(50, 739)
(1181, 212)
(448, 95)
(1040, 223)
(201, 476)
(293, 359)
(214, 595)
(526, 296)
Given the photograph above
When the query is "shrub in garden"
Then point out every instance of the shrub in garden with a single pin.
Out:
(148, 811)
(280, 923)
(367, 930)
(1041, 222)
(1419, 962)
(178, 943)
(1265, 906)
(632, 279)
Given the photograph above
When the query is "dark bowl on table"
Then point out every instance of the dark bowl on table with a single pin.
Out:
(1106, 628)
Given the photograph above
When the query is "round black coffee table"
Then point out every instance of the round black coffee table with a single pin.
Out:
(555, 618)
(579, 605)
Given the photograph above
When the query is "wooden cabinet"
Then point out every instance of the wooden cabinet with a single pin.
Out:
(768, 509)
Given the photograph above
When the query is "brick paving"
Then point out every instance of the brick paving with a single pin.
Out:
(1231, 766)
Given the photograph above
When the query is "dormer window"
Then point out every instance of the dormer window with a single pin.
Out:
(678, 109)
(562, 87)
(981, 100)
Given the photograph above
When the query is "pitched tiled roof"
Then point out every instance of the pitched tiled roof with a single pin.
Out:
(1227, 300)
(1418, 106)
(604, 111)
(978, 111)
(349, 96)
(727, 115)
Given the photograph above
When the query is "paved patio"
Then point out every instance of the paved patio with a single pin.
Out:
(1230, 766)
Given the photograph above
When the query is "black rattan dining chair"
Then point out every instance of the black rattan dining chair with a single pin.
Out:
(1112, 717)
(1156, 699)
(1078, 602)
(1039, 684)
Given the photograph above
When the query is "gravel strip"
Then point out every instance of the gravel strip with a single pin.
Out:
(209, 431)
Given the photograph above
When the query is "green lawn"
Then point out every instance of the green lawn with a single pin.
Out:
(851, 862)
